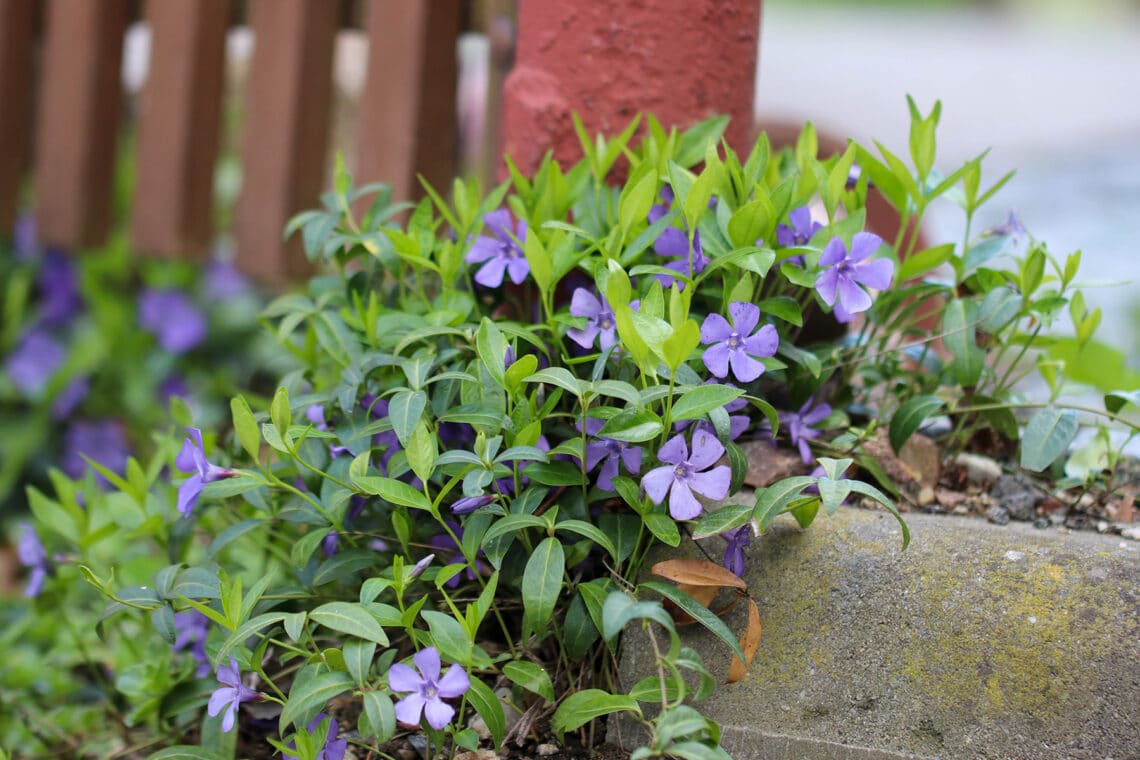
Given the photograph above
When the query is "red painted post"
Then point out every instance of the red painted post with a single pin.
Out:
(682, 60)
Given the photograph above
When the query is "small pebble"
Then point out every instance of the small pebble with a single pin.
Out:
(998, 515)
(1041, 523)
(979, 469)
(1013, 556)
(1132, 533)
(1101, 526)
(546, 750)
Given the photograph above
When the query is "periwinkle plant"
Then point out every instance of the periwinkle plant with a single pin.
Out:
(470, 473)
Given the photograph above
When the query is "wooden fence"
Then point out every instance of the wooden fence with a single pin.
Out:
(61, 105)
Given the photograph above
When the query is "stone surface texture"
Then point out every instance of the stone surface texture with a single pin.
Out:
(976, 642)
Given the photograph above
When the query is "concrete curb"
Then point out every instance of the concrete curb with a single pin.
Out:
(977, 641)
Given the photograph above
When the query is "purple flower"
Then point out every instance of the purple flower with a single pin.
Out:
(192, 459)
(103, 441)
(24, 238)
(334, 748)
(735, 541)
(600, 320)
(683, 474)
(330, 543)
(173, 318)
(418, 568)
(316, 415)
(32, 555)
(34, 362)
(224, 281)
(673, 243)
(801, 230)
(736, 345)
(191, 628)
(69, 398)
(501, 252)
(58, 287)
(609, 452)
(845, 272)
(427, 689)
(801, 426)
(231, 694)
(1011, 227)
(469, 504)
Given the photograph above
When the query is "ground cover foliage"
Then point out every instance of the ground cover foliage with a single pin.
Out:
(497, 405)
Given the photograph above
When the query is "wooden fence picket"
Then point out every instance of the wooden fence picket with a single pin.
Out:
(16, 66)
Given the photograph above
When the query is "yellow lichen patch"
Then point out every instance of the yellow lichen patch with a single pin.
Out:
(1013, 636)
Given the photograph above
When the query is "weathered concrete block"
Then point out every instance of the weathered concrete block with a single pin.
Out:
(976, 642)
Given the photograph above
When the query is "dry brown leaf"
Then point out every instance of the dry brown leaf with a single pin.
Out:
(697, 572)
(703, 594)
(749, 642)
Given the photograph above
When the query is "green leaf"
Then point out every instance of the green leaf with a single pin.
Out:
(351, 619)
(751, 221)
(869, 490)
(959, 337)
(729, 517)
(1000, 306)
(783, 308)
(1114, 401)
(541, 264)
(492, 348)
(698, 612)
(245, 426)
(559, 376)
(405, 410)
(632, 425)
(449, 637)
(186, 752)
(619, 608)
(310, 693)
(422, 451)
(380, 716)
(531, 677)
(590, 531)
(542, 582)
(921, 262)
(554, 473)
(775, 497)
(676, 348)
(698, 401)
(393, 491)
(490, 709)
(910, 416)
(1047, 436)
(584, 706)
(280, 411)
(663, 527)
(803, 357)
(247, 629)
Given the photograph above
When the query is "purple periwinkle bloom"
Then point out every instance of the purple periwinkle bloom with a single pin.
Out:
(316, 415)
(58, 286)
(69, 398)
(673, 243)
(104, 441)
(192, 459)
(683, 474)
(191, 628)
(801, 426)
(1011, 227)
(333, 748)
(599, 320)
(735, 541)
(32, 555)
(428, 689)
(469, 504)
(501, 253)
(845, 272)
(609, 452)
(230, 694)
(418, 568)
(734, 345)
(24, 238)
(34, 362)
(173, 318)
(330, 543)
(223, 280)
(801, 229)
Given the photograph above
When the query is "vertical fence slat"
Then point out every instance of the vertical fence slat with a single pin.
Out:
(179, 126)
(407, 110)
(78, 119)
(288, 101)
(498, 23)
(16, 19)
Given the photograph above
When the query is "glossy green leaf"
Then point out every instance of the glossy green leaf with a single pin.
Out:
(542, 583)
(531, 677)
(351, 619)
(1047, 436)
(583, 706)
(910, 416)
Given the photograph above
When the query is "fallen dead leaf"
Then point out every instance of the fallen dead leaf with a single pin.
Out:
(697, 572)
(749, 643)
(703, 594)
(767, 464)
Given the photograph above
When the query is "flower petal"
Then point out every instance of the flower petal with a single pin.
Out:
(763, 343)
(715, 329)
(409, 708)
(853, 297)
(484, 248)
(833, 253)
(584, 304)
(826, 285)
(188, 494)
(712, 484)
(454, 683)
(706, 450)
(607, 474)
(744, 367)
(863, 245)
(675, 451)
(438, 713)
(657, 481)
(403, 678)
(219, 699)
(745, 316)
(427, 660)
(518, 269)
(875, 274)
(631, 457)
(584, 337)
(596, 452)
(498, 222)
(715, 358)
(491, 274)
(672, 243)
(682, 504)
